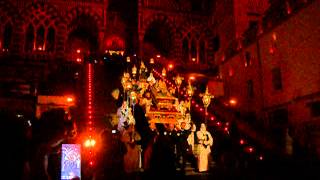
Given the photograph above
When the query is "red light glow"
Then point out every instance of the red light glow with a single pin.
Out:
(90, 143)
(274, 36)
(78, 51)
(241, 141)
(250, 149)
(261, 158)
(232, 101)
(69, 99)
(271, 50)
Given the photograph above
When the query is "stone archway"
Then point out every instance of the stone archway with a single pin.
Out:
(83, 33)
(158, 36)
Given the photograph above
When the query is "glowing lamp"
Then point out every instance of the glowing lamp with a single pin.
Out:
(250, 149)
(170, 66)
(78, 51)
(151, 61)
(232, 101)
(274, 36)
(128, 59)
(90, 143)
(261, 158)
(193, 59)
(241, 141)
(158, 56)
(164, 73)
(69, 99)
(134, 70)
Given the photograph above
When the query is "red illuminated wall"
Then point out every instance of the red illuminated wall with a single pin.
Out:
(293, 48)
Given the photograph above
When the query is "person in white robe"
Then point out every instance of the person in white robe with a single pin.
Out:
(205, 142)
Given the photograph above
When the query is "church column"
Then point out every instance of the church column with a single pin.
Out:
(198, 51)
(61, 40)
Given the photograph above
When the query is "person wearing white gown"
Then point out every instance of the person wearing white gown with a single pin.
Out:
(205, 142)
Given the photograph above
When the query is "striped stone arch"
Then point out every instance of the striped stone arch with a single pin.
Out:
(40, 13)
(7, 12)
(158, 17)
(168, 22)
(77, 11)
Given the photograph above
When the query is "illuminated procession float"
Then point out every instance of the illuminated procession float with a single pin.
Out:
(159, 102)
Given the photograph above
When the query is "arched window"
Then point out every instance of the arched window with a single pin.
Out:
(185, 49)
(50, 40)
(194, 50)
(29, 44)
(216, 43)
(202, 52)
(40, 38)
(7, 36)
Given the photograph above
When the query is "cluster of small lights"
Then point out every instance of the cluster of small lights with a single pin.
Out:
(90, 142)
(78, 59)
(248, 148)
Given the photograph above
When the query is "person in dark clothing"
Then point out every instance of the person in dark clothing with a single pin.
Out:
(14, 154)
(163, 159)
(111, 158)
(192, 152)
(182, 147)
(142, 125)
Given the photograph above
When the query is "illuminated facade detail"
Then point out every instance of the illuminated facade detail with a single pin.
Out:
(274, 95)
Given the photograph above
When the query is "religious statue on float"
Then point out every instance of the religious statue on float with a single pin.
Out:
(151, 80)
(162, 88)
(146, 102)
(143, 72)
(125, 116)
